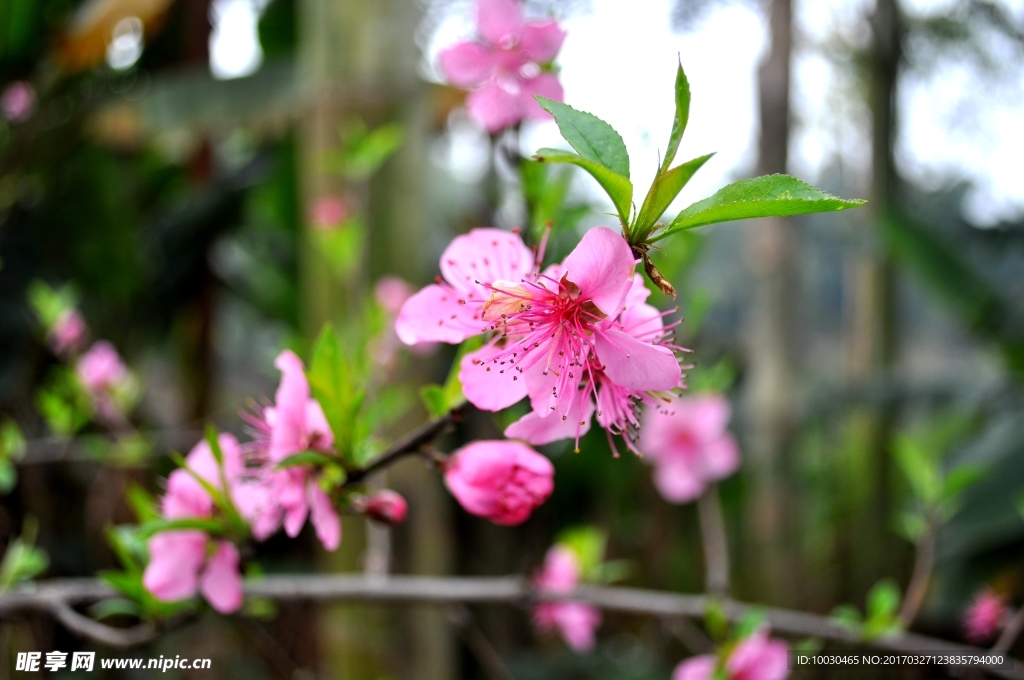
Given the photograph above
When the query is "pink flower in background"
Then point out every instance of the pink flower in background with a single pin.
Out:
(451, 309)
(68, 333)
(386, 506)
(328, 212)
(756, 657)
(391, 292)
(502, 481)
(504, 68)
(100, 369)
(184, 562)
(689, 446)
(296, 423)
(576, 621)
(18, 101)
(985, 617)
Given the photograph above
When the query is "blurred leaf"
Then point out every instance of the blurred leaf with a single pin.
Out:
(364, 151)
(911, 525)
(214, 527)
(847, 616)
(682, 116)
(115, 606)
(336, 384)
(961, 478)
(715, 621)
(306, 458)
(344, 247)
(614, 571)
(50, 303)
(8, 477)
(750, 622)
(440, 399)
(545, 194)
(434, 400)
(63, 403)
(595, 140)
(920, 469)
(618, 188)
(769, 196)
(128, 546)
(883, 599)
(717, 377)
(23, 561)
(664, 190)
(142, 502)
(588, 544)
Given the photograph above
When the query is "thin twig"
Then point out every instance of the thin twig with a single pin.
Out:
(121, 638)
(410, 443)
(924, 562)
(484, 652)
(716, 544)
(1010, 633)
(40, 596)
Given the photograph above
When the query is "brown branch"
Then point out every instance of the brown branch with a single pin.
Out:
(1010, 633)
(924, 562)
(501, 590)
(715, 541)
(409, 444)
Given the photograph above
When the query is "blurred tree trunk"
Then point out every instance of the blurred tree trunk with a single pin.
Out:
(770, 386)
(870, 332)
(359, 59)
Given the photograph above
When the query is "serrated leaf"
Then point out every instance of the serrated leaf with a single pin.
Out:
(618, 188)
(306, 458)
(336, 386)
(593, 139)
(769, 196)
(681, 118)
(664, 190)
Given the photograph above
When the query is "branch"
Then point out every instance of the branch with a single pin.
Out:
(924, 562)
(410, 443)
(512, 590)
(1010, 633)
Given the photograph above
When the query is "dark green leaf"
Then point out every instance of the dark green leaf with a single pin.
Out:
(337, 387)
(770, 196)
(115, 606)
(306, 458)
(666, 187)
(618, 188)
(681, 118)
(593, 139)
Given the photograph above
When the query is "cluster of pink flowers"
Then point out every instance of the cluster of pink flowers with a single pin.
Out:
(688, 445)
(107, 380)
(756, 657)
(507, 66)
(577, 339)
(985, 617)
(577, 622)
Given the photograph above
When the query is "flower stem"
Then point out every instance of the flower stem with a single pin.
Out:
(716, 544)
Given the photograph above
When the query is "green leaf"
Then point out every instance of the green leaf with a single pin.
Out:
(8, 477)
(920, 469)
(618, 188)
(769, 196)
(141, 502)
(306, 458)
(12, 441)
(115, 606)
(960, 478)
(681, 118)
(336, 385)
(847, 616)
(434, 400)
(666, 187)
(588, 544)
(593, 139)
(883, 600)
(211, 526)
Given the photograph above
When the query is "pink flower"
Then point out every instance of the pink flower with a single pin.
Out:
(387, 506)
(296, 423)
(504, 68)
(18, 101)
(688, 445)
(327, 212)
(985, 617)
(576, 621)
(68, 333)
(186, 561)
(100, 369)
(500, 480)
(756, 657)
(391, 292)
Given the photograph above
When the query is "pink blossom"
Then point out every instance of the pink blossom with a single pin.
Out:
(387, 506)
(18, 101)
(688, 445)
(756, 657)
(327, 212)
(576, 621)
(504, 68)
(186, 561)
(101, 368)
(296, 423)
(68, 332)
(391, 292)
(500, 480)
(985, 617)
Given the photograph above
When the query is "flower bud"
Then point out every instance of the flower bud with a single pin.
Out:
(387, 506)
(503, 481)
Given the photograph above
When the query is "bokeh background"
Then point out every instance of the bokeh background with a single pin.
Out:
(169, 157)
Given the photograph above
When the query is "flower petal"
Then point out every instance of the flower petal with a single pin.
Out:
(577, 622)
(494, 107)
(468, 65)
(175, 558)
(474, 260)
(537, 430)
(435, 314)
(720, 458)
(499, 21)
(490, 385)
(696, 668)
(708, 415)
(221, 584)
(546, 85)
(324, 517)
(677, 481)
(637, 365)
(540, 41)
(602, 266)
(288, 431)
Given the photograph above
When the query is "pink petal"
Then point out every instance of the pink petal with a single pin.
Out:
(545, 85)
(695, 668)
(561, 572)
(474, 260)
(758, 658)
(499, 21)
(435, 314)
(578, 622)
(490, 385)
(221, 583)
(289, 428)
(677, 481)
(324, 517)
(721, 458)
(708, 415)
(175, 558)
(318, 431)
(494, 107)
(467, 65)
(636, 365)
(538, 431)
(602, 266)
(541, 41)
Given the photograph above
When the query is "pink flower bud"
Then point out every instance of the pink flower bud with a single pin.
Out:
(500, 480)
(100, 369)
(327, 212)
(18, 101)
(387, 506)
(985, 617)
(68, 332)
